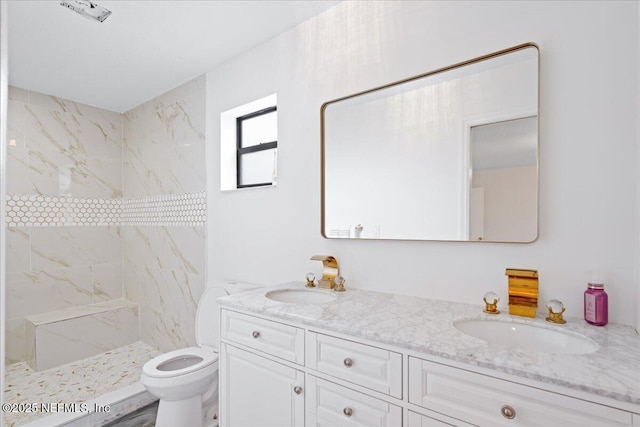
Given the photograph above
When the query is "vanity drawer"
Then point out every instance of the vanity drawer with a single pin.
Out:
(483, 400)
(370, 367)
(417, 420)
(329, 404)
(277, 339)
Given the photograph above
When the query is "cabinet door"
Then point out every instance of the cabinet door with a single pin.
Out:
(256, 391)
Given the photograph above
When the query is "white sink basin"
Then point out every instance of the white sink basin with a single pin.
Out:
(301, 296)
(526, 336)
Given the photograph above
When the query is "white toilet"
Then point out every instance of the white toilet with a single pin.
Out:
(184, 378)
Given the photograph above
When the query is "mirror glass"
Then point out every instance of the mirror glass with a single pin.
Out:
(448, 155)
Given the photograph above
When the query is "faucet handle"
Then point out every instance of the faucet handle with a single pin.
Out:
(556, 308)
(310, 280)
(339, 284)
(491, 303)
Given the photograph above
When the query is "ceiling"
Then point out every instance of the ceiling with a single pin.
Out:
(143, 49)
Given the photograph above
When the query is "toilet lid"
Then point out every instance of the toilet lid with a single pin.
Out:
(179, 362)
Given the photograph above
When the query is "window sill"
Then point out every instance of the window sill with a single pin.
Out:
(230, 190)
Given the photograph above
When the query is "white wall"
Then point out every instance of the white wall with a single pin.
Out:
(587, 147)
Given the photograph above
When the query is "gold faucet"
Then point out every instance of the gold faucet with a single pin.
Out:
(523, 292)
(329, 271)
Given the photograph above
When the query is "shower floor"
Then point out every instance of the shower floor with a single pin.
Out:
(110, 379)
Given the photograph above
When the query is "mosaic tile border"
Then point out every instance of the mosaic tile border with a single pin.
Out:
(188, 209)
(48, 211)
(176, 209)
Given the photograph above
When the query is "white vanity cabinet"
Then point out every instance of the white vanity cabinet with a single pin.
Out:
(273, 373)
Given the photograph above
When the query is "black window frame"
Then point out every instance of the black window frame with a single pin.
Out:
(240, 151)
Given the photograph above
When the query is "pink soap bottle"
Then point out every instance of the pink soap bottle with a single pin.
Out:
(596, 305)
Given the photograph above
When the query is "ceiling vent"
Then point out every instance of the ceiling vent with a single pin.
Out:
(88, 9)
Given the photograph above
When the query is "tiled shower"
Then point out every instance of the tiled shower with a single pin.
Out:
(105, 227)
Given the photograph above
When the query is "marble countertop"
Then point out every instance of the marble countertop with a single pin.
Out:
(426, 326)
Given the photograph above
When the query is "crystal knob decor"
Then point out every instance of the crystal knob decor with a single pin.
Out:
(347, 411)
(339, 284)
(491, 303)
(256, 334)
(556, 308)
(310, 280)
(348, 362)
(297, 389)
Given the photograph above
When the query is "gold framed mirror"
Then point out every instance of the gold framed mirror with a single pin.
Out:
(449, 155)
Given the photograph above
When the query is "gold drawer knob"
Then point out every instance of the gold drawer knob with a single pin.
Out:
(348, 362)
(508, 412)
(256, 334)
(347, 411)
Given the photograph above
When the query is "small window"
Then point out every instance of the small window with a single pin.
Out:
(247, 159)
(257, 146)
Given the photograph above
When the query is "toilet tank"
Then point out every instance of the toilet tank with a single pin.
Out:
(208, 311)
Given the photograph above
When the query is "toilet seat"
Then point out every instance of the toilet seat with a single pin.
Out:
(162, 366)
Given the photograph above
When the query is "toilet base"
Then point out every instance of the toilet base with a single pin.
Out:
(187, 412)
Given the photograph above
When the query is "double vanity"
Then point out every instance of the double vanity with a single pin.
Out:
(294, 356)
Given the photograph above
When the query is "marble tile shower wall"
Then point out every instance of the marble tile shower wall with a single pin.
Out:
(104, 205)
(164, 266)
(58, 148)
